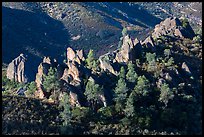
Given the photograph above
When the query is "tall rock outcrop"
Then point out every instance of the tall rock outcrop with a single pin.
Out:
(129, 51)
(74, 61)
(43, 69)
(16, 69)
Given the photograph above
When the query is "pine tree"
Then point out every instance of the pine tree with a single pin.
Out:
(131, 75)
(122, 73)
(143, 86)
(92, 91)
(31, 89)
(66, 115)
(129, 109)
(166, 94)
(90, 59)
(50, 81)
(151, 60)
(91, 62)
(120, 94)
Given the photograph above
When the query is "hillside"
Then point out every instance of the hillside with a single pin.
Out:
(85, 25)
(62, 73)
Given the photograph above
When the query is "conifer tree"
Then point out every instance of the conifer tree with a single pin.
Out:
(91, 91)
(91, 62)
(50, 81)
(66, 115)
(90, 59)
(120, 94)
(31, 89)
(129, 109)
(131, 75)
(143, 86)
(122, 73)
(151, 60)
(166, 94)
(124, 32)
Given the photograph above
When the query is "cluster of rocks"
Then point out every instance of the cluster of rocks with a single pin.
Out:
(70, 75)
(173, 27)
(129, 51)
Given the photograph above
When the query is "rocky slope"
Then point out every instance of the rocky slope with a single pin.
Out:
(169, 57)
(80, 25)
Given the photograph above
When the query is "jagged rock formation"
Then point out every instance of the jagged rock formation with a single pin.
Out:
(149, 42)
(74, 60)
(124, 54)
(105, 63)
(173, 27)
(16, 69)
(42, 70)
(129, 51)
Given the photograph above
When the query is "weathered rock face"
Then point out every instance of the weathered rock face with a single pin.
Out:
(149, 42)
(186, 68)
(74, 60)
(173, 27)
(43, 69)
(73, 71)
(105, 64)
(77, 56)
(16, 69)
(128, 50)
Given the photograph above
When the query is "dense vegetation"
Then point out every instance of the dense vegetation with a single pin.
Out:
(140, 104)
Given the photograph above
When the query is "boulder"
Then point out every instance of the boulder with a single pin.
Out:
(16, 69)
(80, 54)
(70, 54)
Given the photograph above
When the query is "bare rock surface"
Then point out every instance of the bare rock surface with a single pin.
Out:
(16, 69)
